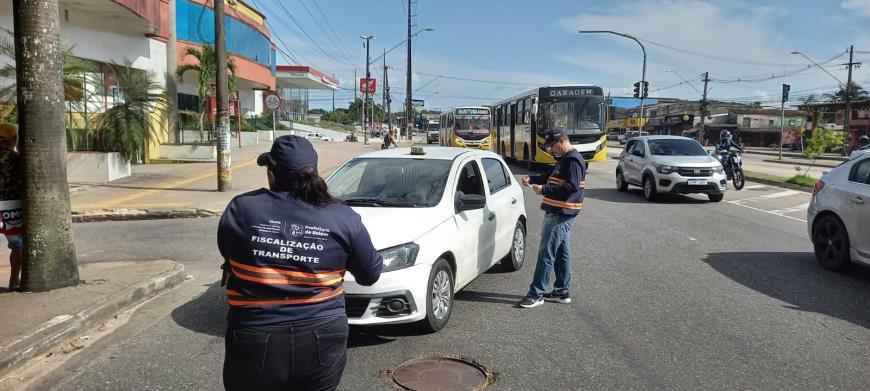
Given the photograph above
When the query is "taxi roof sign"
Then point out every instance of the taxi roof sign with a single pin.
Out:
(417, 150)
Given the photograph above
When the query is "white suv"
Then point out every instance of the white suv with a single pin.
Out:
(838, 218)
(670, 164)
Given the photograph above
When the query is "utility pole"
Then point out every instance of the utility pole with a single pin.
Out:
(388, 101)
(847, 120)
(171, 84)
(333, 96)
(409, 109)
(49, 256)
(224, 158)
(368, 39)
(785, 89)
(703, 108)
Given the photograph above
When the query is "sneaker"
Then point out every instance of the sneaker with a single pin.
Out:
(563, 298)
(529, 302)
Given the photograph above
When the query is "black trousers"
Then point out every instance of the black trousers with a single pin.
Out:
(304, 355)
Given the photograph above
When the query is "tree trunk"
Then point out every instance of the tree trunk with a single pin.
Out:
(49, 252)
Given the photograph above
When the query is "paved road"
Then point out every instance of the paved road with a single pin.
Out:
(679, 294)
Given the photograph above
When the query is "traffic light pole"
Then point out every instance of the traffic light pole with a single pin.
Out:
(643, 88)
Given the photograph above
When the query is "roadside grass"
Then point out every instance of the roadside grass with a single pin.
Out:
(802, 180)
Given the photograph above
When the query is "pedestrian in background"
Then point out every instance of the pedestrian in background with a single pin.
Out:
(10, 200)
(562, 192)
(287, 249)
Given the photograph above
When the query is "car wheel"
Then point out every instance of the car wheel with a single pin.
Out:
(621, 184)
(516, 257)
(439, 297)
(831, 243)
(715, 197)
(649, 188)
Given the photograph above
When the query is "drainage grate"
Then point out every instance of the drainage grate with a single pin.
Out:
(441, 374)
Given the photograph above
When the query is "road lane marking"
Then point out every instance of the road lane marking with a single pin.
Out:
(800, 207)
(765, 211)
(163, 186)
(768, 196)
(754, 187)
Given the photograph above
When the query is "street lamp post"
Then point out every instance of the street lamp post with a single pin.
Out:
(642, 88)
(367, 38)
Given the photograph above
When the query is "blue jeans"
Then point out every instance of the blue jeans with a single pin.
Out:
(554, 251)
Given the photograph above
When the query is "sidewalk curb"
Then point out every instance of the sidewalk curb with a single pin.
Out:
(140, 214)
(784, 185)
(795, 163)
(57, 334)
(791, 155)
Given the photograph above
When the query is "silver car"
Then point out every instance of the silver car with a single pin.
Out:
(838, 218)
(670, 164)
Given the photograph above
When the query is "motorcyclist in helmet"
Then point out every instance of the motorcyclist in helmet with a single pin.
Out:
(726, 141)
(863, 145)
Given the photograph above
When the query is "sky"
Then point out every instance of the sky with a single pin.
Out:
(482, 51)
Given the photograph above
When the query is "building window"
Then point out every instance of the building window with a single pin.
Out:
(791, 122)
(747, 122)
(770, 123)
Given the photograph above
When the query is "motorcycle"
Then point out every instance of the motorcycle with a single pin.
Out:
(733, 165)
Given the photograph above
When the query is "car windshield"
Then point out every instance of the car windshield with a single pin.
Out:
(581, 117)
(379, 182)
(673, 147)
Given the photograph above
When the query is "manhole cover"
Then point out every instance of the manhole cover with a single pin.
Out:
(440, 374)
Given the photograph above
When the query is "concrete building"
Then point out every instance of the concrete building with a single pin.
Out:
(832, 114)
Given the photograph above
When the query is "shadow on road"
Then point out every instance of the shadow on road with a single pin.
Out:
(206, 314)
(635, 196)
(796, 278)
(487, 297)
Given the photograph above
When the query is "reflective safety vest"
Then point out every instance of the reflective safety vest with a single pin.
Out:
(563, 188)
(286, 259)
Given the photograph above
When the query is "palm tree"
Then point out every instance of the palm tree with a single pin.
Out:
(75, 71)
(129, 125)
(851, 92)
(207, 69)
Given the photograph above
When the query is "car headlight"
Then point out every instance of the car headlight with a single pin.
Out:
(599, 147)
(399, 257)
(665, 169)
(718, 169)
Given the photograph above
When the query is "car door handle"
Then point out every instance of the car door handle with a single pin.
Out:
(513, 201)
(858, 200)
(491, 216)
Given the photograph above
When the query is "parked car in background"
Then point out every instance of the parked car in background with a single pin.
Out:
(623, 138)
(317, 136)
(440, 217)
(838, 218)
(670, 164)
(613, 136)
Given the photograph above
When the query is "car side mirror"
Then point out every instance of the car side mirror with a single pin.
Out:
(470, 202)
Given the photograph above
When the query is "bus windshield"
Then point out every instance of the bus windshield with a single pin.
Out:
(472, 127)
(578, 117)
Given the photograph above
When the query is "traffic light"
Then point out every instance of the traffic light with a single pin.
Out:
(785, 90)
(641, 90)
(645, 89)
(636, 90)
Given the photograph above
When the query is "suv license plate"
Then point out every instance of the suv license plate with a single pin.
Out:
(697, 181)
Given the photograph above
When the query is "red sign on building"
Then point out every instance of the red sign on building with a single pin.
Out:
(367, 88)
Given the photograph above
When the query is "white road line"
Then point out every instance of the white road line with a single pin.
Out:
(803, 206)
(766, 211)
(768, 196)
(754, 187)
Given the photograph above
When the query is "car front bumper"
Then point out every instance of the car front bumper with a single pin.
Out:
(370, 305)
(678, 184)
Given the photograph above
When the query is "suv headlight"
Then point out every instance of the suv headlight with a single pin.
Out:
(719, 169)
(665, 169)
(399, 257)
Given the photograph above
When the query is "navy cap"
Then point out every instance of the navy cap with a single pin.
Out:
(551, 137)
(288, 154)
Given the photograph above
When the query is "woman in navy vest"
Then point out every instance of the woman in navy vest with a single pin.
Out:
(286, 251)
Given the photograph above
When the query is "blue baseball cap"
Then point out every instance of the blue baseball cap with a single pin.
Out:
(289, 154)
(551, 137)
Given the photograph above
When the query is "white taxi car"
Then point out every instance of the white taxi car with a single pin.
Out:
(440, 217)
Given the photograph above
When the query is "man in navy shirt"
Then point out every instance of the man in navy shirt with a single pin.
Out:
(562, 199)
(287, 250)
